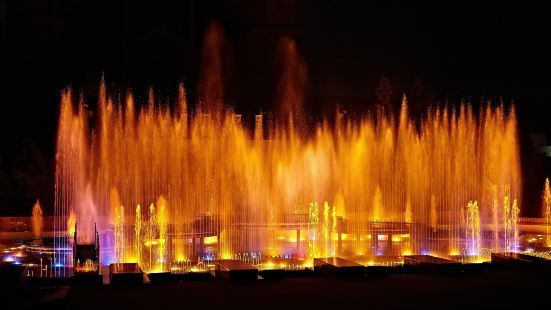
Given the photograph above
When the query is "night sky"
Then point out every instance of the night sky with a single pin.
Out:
(450, 50)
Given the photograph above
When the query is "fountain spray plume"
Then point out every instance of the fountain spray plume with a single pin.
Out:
(37, 219)
(292, 75)
(213, 64)
(212, 180)
(197, 187)
(546, 210)
(473, 228)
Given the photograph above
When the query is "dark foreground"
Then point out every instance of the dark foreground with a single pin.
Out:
(519, 289)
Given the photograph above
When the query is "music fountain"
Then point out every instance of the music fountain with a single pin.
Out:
(166, 189)
(174, 190)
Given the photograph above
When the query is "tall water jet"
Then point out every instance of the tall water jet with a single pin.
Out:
(377, 205)
(71, 225)
(473, 229)
(119, 234)
(514, 220)
(138, 235)
(290, 86)
(37, 219)
(211, 82)
(495, 215)
(433, 214)
(313, 230)
(162, 222)
(546, 211)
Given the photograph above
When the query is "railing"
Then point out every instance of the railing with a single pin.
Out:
(532, 220)
(23, 223)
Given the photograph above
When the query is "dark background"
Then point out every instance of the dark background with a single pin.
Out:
(434, 53)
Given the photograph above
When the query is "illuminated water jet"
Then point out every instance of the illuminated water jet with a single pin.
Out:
(37, 219)
(377, 180)
(546, 206)
(218, 188)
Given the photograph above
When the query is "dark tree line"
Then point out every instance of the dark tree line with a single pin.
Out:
(26, 175)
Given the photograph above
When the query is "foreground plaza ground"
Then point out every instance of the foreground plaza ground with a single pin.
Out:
(505, 289)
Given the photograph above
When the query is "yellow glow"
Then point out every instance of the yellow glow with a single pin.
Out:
(156, 269)
(180, 257)
(210, 240)
(71, 221)
(546, 211)
(37, 220)
(206, 173)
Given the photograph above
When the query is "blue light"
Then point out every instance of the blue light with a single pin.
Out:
(59, 265)
(425, 252)
(208, 257)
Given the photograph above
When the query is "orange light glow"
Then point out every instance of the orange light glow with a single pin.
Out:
(259, 186)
